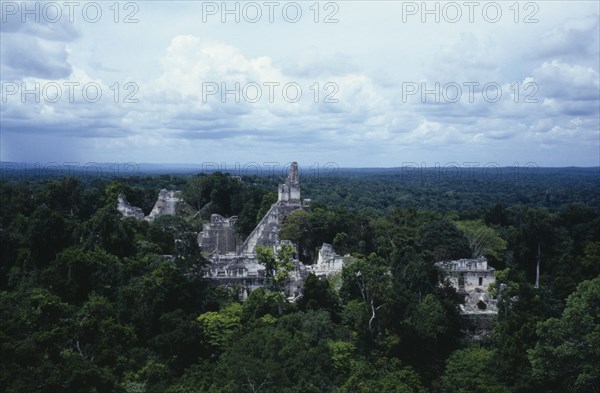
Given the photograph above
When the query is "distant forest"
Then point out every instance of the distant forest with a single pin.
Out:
(92, 302)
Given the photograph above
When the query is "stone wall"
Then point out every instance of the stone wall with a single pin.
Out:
(328, 262)
(468, 274)
(289, 191)
(472, 278)
(166, 204)
(128, 210)
(246, 273)
(266, 232)
(218, 236)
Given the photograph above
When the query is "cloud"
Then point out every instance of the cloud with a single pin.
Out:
(172, 106)
(470, 58)
(35, 49)
(557, 79)
(576, 39)
(367, 121)
(312, 63)
(61, 30)
(33, 57)
(193, 67)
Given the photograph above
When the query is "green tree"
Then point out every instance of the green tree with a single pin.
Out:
(76, 272)
(277, 268)
(567, 356)
(97, 336)
(291, 356)
(47, 234)
(471, 370)
(386, 375)
(296, 229)
(108, 229)
(444, 240)
(369, 280)
(262, 303)
(318, 294)
(483, 240)
(429, 319)
(65, 196)
(219, 328)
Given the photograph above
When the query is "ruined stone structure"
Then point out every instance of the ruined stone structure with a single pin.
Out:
(472, 278)
(467, 275)
(128, 210)
(289, 192)
(242, 268)
(248, 274)
(328, 262)
(266, 232)
(233, 264)
(166, 204)
(218, 236)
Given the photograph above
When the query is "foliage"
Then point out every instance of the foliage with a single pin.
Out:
(277, 267)
(93, 302)
(483, 241)
(567, 356)
(471, 370)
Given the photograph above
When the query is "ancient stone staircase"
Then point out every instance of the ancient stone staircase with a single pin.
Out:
(266, 232)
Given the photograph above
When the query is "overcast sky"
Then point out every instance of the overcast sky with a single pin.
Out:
(349, 91)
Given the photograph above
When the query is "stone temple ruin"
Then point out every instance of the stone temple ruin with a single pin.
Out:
(236, 264)
(328, 262)
(166, 205)
(472, 279)
(218, 236)
(127, 210)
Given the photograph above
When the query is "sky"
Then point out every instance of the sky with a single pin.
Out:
(355, 83)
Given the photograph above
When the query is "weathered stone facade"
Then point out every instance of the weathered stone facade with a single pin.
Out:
(233, 264)
(128, 210)
(469, 274)
(289, 192)
(242, 268)
(166, 204)
(218, 236)
(246, 273)
(472, 278)
(266, 232)
(328, 262)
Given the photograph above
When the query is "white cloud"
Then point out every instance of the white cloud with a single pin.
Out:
(574, 39)
(365, 60)
(558, 79)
